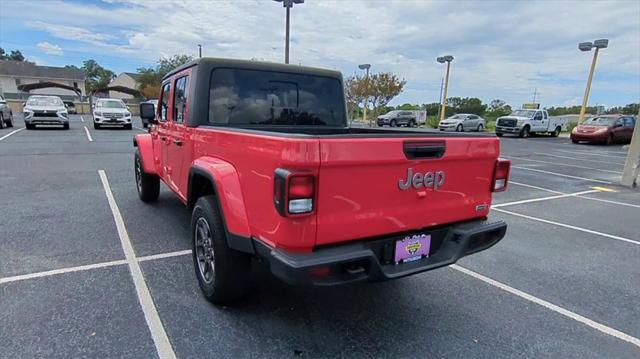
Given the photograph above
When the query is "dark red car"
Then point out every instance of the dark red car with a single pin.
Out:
(605, 129)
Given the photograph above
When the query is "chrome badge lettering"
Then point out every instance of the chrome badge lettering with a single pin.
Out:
(432, 180)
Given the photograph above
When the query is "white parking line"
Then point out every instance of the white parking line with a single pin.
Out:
(563, 164)
(164, 255)
(534, 187)
(88, 134)
(579, 196)
(561, 174)
(81, 118)
(543, 198)
(62, 271)
(570, 226)
(567, 313)
(11, 133)
(160, 338)
(581, 159)
(594, 154)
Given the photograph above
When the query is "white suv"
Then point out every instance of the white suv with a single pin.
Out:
(111, 112)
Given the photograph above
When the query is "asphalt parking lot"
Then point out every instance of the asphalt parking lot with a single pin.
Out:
(564, 283)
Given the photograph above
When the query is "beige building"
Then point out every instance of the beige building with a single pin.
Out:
(15, 76)
(125, 79)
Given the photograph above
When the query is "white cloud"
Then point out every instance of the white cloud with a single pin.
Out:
(502, 49)
(50, 49)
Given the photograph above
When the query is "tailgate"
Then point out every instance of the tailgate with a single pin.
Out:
(360, 180)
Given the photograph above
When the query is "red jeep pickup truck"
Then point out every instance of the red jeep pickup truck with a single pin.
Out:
(263, 156)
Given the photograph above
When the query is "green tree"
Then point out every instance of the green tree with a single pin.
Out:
(15, 55)
(382, 88)
(96, 76)
(465, 105)
(407, 107)
(151, 77)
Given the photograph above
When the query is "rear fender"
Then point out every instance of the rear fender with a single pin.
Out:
(225, 183)
(145, 146)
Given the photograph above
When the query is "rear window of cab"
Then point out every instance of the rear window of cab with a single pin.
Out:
(255, 97)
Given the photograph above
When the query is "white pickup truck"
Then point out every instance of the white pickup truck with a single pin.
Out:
(525, 122)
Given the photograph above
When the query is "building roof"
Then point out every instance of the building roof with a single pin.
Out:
(133, 75)
(29, 69)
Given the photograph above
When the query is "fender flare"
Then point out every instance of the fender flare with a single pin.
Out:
(145, 146)
(225, 182)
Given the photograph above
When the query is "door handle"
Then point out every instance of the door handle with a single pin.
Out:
(177, 142)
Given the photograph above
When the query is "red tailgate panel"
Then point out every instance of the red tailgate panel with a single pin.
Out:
(359, 195)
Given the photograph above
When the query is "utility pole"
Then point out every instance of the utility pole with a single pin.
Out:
(440, 98)
(199, 51)
(535, 92)
(587, 46)
(365, 67)
(632, 164)
(443, 103)
(288, 4)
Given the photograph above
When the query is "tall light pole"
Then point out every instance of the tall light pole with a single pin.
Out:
(587, 46)
(443, 104)
(199, 50)
(632, 163)
(365, 67)
(288, 4)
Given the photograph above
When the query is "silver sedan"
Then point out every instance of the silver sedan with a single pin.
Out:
(463, 122)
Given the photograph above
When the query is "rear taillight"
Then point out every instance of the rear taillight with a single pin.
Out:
(501, 175)
(293, 192)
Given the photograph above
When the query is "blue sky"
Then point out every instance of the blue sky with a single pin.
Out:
(502, 49)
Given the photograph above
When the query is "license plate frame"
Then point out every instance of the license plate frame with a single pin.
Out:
(412, 248)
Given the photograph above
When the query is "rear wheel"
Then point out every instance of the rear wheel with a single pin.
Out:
(609, 140)
(459, 128)
(556, 132)
(480, 128)
(223, 273)
(2, 124)
(524, 133)
(148, 185)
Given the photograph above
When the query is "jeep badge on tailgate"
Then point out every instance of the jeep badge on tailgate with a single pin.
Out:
(428, 179)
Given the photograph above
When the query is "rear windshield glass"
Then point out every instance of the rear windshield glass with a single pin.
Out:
(599, 121)
(250, 97)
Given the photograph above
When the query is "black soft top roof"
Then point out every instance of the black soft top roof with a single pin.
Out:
(209, 63)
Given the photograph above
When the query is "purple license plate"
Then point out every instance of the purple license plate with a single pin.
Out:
(412, 248)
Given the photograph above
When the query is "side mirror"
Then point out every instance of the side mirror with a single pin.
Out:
(147, 112)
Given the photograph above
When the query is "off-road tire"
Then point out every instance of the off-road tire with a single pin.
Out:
(229, 280)
(148, 185)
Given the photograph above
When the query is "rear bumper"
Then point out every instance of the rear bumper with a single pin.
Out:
(373, 259)
(590, 137)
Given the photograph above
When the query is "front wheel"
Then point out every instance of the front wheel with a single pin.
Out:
(2, 124)
(10, 123)
(525, 132)
(392, 123)
(223, 273)
(96, 126)
(128, 127)
(148, 185)
(459, 128)
(499, 134)
(65, 126)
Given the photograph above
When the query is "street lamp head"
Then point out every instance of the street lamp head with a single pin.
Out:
(601, 44)
(440, 59)
(364, 66)
(289, 3)
(585, 46)
(443, 59)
